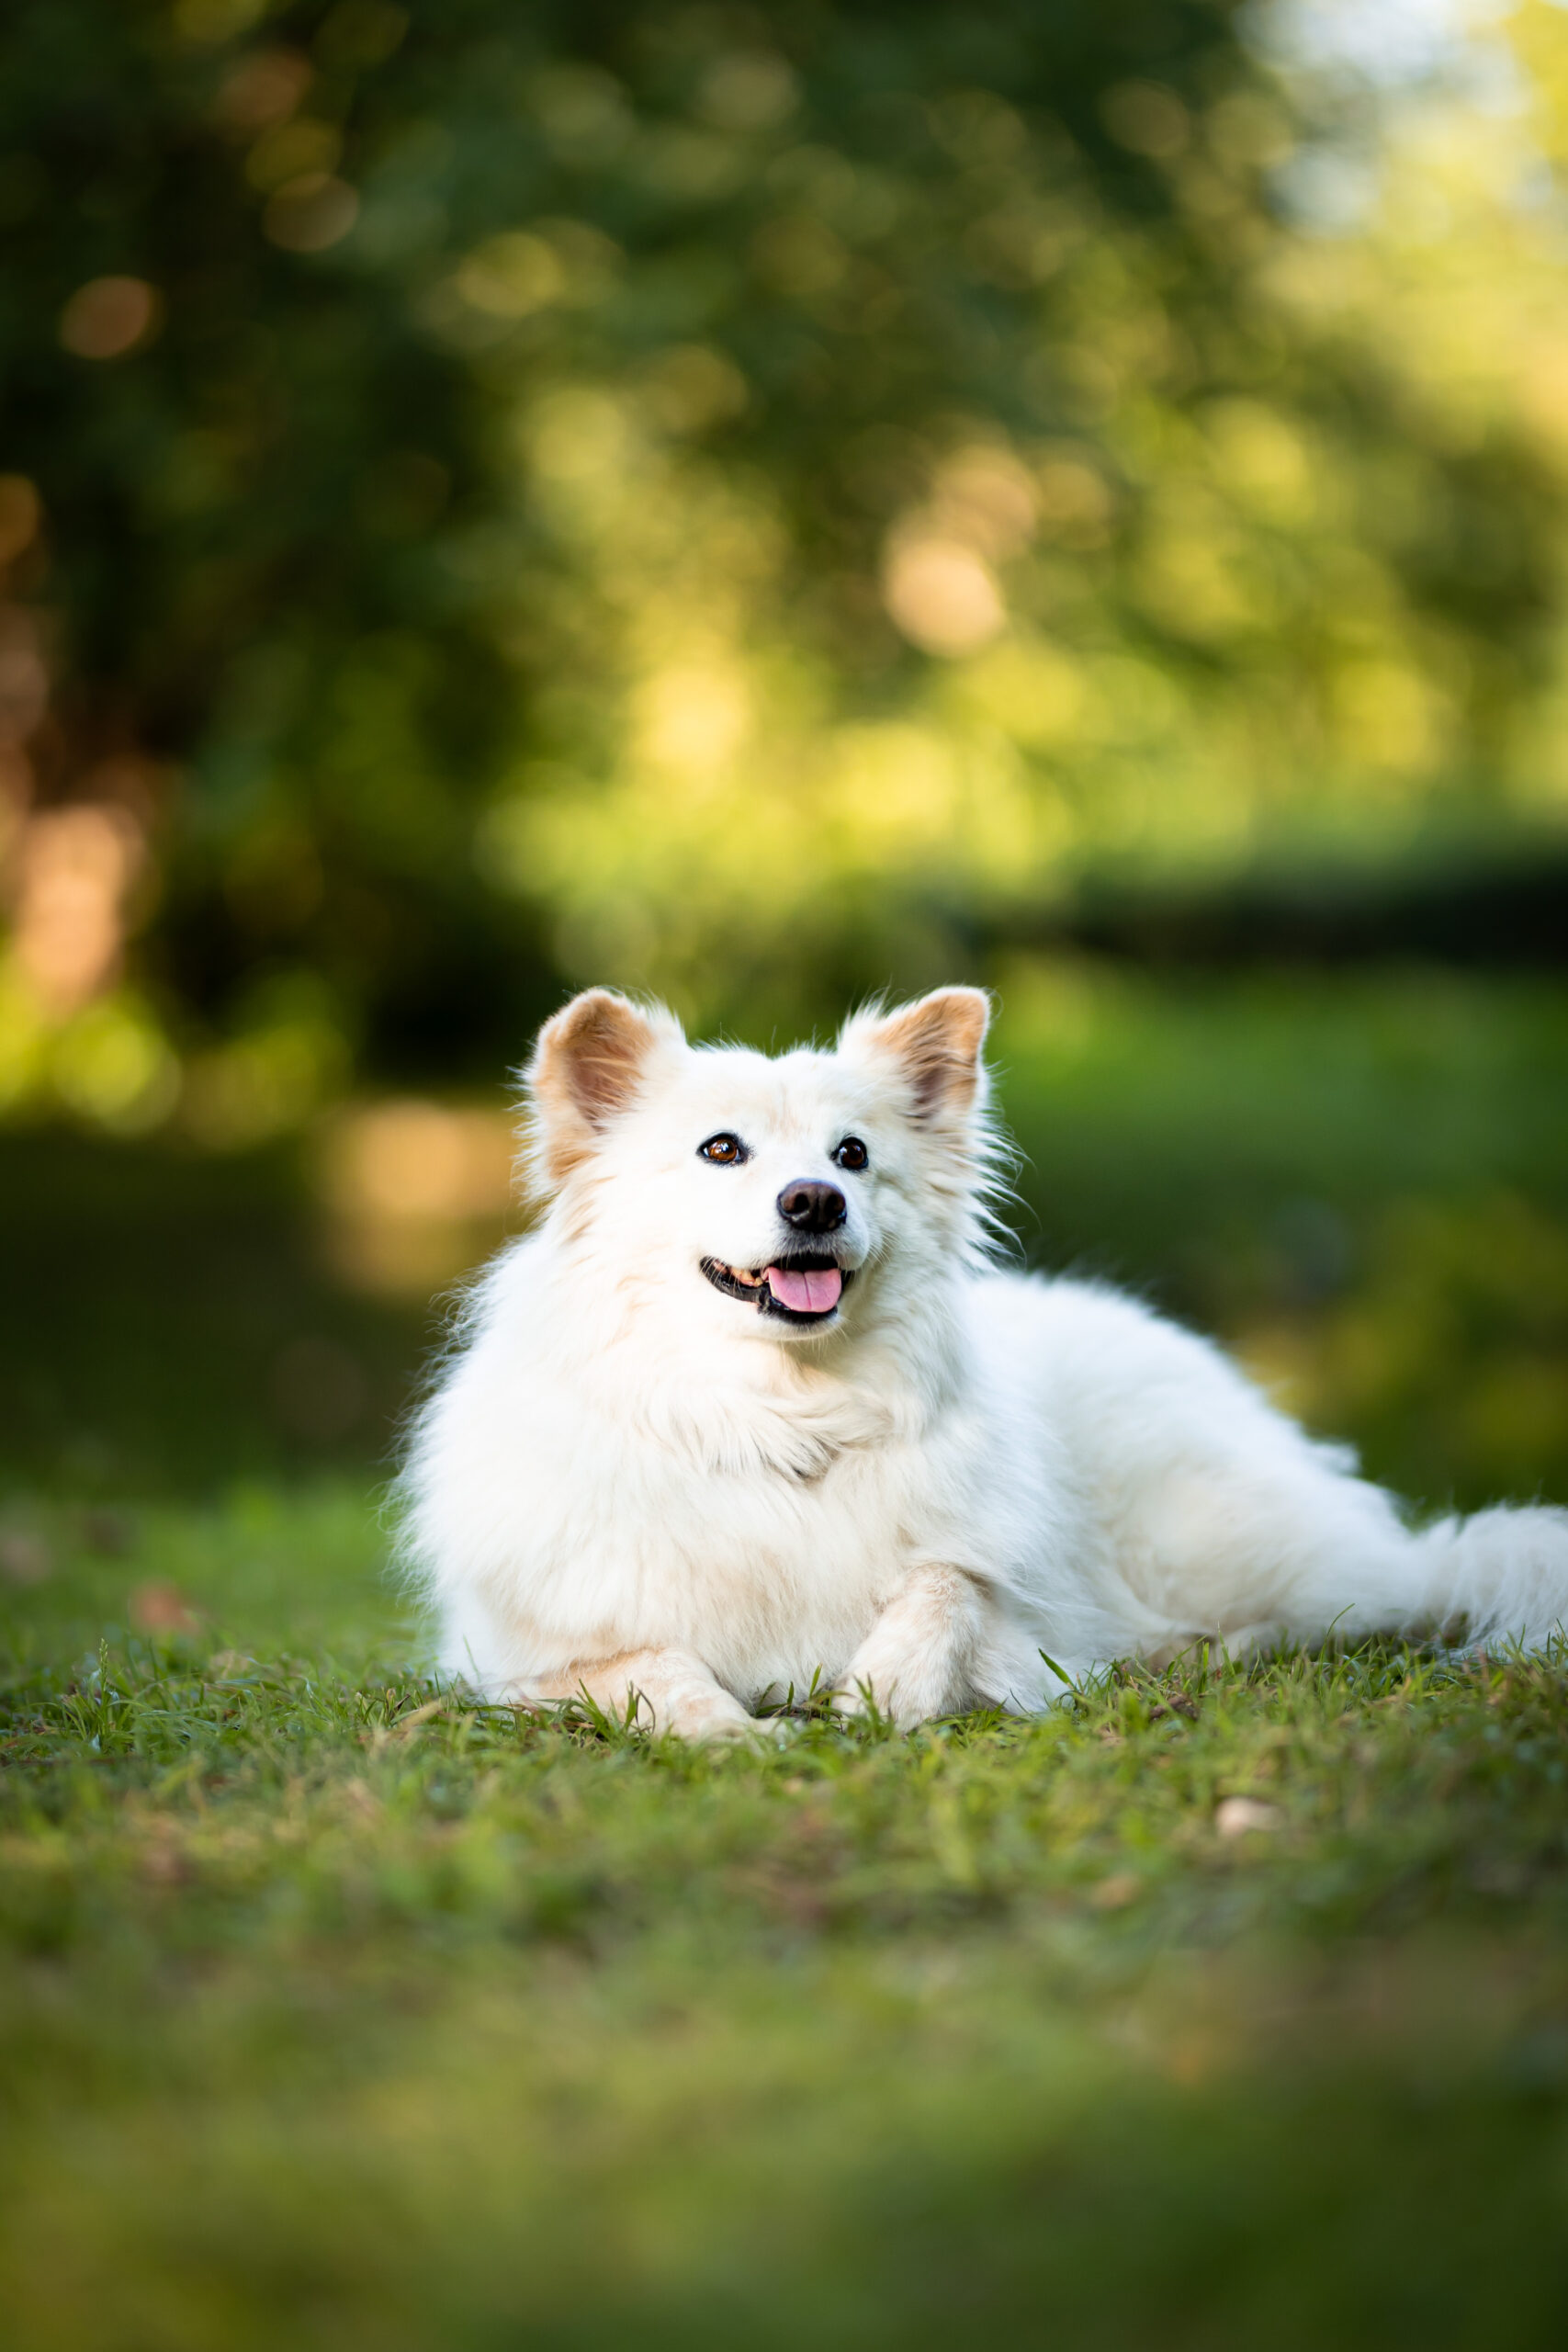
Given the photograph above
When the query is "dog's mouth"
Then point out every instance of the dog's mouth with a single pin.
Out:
(797, 1290)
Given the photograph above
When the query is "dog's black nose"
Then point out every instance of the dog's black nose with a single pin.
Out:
(810, 1206)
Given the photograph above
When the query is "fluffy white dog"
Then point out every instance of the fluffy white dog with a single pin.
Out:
(751, 1406)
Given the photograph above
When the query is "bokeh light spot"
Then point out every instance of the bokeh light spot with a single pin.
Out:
(263, 90)
(114, 1066)
(207, 22)
(311, 213)
(689, 389)
(109, 317)
(21, 513)
(292, 151)
(692, 718)
(512, 275)
(73, 868)
(748, 90)
(942, 596)
(1147, 119)
(984, 496)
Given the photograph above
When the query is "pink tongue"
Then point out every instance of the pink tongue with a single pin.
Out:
(808, 1293)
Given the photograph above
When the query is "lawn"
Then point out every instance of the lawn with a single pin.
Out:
(336, 2012)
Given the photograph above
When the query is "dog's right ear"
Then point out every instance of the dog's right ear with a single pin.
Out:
(585, 1069)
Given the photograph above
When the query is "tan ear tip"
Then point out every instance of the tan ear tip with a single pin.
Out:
(966, 1010)
(596, 1012)
(587, 1006)
(602, 1025)
(980, 1003)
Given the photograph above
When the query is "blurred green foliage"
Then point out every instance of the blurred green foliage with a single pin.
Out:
(1360, 1182)
(762, 503)
(737, 499)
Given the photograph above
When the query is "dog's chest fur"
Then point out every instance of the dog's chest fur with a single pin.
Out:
(588, 1505)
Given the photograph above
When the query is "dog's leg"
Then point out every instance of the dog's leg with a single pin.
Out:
(662, 1689)
(919, 1659)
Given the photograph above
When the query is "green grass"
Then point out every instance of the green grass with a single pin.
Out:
(336, 2014)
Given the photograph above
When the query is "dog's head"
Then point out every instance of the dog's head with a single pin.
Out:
(774, 1197)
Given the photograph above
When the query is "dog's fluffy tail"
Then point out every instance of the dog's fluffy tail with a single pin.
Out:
(1500, 1577)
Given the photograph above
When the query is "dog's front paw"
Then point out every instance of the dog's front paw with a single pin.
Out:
(917, 1661)
(713, 1718)
(862, 1700)
(902, 1693)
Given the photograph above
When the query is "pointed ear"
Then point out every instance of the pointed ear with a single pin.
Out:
(936, 1043)
(586, 1067)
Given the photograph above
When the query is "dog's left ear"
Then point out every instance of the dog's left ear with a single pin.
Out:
(936, 1044)
(587, 1067)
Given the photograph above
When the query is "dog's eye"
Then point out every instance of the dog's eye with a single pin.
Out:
(727, 1151)
(851, 1153)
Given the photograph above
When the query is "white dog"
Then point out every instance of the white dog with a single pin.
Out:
(751, 1408)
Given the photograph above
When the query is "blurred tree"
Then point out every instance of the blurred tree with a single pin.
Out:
(732, 498)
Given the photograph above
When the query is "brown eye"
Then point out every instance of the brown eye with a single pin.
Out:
(851, 1153)
(725, 1150)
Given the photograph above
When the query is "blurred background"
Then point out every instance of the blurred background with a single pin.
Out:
(760, 504)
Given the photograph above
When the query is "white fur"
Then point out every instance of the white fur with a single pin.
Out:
(631, 1483)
